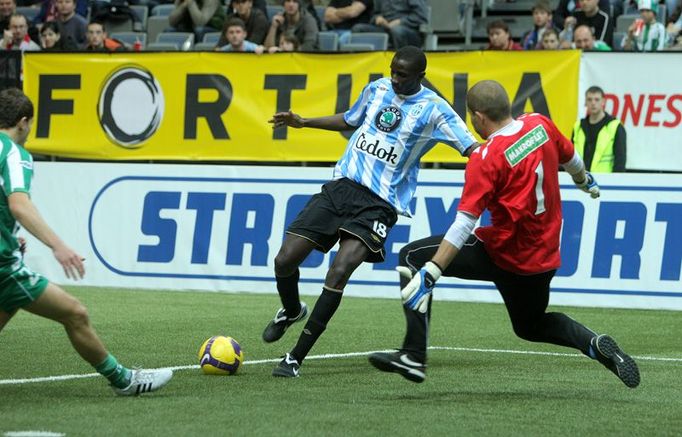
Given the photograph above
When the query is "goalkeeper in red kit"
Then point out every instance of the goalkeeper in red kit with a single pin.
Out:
(515, 176)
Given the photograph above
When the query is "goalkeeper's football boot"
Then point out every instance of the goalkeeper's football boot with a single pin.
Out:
(279, 325)
(287, 368)
(145, 381)
(399, 362)
(613, 358)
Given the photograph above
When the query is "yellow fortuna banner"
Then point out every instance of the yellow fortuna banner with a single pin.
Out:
(215, 106)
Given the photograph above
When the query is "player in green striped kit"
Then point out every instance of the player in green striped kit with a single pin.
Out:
(21, 288)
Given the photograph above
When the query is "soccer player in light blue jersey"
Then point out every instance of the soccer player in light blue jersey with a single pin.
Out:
(20, 287)
(397, 121)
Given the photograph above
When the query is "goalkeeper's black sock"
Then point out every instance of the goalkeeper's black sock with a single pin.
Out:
(417, 334)
(325, 307)
(287, 287)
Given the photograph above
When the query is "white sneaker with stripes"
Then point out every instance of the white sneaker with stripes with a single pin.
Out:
(145, 381)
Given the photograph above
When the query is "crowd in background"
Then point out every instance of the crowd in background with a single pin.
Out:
(244, 25)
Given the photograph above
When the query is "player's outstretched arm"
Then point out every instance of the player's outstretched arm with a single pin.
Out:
(334, 122)
(27, 215)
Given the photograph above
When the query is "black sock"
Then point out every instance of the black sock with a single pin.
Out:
(558, 328)
(322, 313)
(287, 287)
(417, 333)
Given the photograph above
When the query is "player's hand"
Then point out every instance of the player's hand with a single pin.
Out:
(287, 118)
(417, 292)
(71, 262)
(589, 185)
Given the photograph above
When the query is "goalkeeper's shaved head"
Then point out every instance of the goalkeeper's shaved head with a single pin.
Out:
(489, 98)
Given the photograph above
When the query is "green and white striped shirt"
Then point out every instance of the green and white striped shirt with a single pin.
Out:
(16, 171)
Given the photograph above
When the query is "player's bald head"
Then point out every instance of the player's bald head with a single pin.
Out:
(489, 98)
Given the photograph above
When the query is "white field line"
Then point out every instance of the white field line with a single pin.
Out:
(331, 356)
(33, 434)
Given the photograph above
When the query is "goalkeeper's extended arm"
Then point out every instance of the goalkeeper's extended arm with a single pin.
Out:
(417, 292)
(583, 179)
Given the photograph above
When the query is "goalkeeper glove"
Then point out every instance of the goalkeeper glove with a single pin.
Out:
(417, 292)
(589, 185)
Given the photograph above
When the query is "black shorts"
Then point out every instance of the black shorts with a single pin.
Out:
(346, 209)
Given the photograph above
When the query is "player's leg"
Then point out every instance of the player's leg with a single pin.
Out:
(5, 318)
(315, 227)
(472, 262)
(414, 255)
(55, 304)
(292, 253)
(526, 299)
(352, 252)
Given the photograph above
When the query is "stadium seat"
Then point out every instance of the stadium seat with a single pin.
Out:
(162, 46)
(624, 21)
(130, 38)
(183, 40)
(356, 47)
(328, 41)
(274, 10)
(142, 13)
(518, 25)
(29, 12)
(379, 41)
(211, 37)
(119, 26)
(319, 10)
(163, 10)
(204, 46)
(617, 40)
(429, 38)
(155, 25)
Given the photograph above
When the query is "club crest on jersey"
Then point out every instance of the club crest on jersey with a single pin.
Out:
(416, 110)
(388, 119)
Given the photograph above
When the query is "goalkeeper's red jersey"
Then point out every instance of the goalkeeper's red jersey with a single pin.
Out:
(515, 175)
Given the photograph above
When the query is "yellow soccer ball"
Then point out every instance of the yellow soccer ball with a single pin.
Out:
(220, 355)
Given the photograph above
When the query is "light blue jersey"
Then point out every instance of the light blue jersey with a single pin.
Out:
(393, 133)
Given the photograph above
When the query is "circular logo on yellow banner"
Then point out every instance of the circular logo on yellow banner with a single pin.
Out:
(125, 124)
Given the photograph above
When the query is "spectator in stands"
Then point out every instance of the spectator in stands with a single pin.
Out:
(499, 37)
(542, 21)
(598, 20)
(600, 138)
(550, 40)
(48, 10)
(73, 27)
(197, 16)
(400, 19)
(16, 37)
(675, 21)
(235, 34)
(566, 8)
(287, 43)
(296, 21)
(676, 44)
(341, 15)
(646, 34)
(7, 8)
(261, 5)
(51, 40)
(255, 20)
(98, 41)
(583, 39)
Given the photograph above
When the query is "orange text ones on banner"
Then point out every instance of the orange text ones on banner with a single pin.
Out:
(215, 106)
